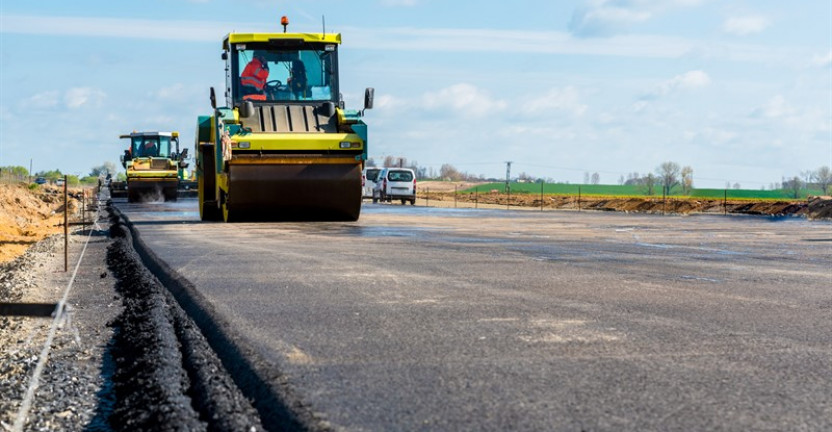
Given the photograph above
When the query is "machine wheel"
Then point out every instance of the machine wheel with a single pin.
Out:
(132, 195)
(170, 194)
(207, 212)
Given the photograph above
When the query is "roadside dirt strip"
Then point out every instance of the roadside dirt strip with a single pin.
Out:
(73, 392)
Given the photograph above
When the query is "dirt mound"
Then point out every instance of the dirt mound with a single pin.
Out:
(28, 216)
(820, 208)
(815, 208)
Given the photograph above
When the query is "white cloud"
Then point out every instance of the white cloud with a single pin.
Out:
(557, 99)
(640, 106)
(813, 122)
(421, 39)
(604, 20)
(744, 26)
(608, 17)
(181, 93)
(386, 101)
(822, 61)
(466, 99)
(78, 97)
(111, 27)
(170, 92)
(73, 98)
(711, 135)
(687, 80)
(776, 107)
(43, 100)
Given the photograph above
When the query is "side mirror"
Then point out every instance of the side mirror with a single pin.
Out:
(368, 98)
(224, 55)
(341, 103)
(328, 109)
(213, 99)
(246, 109)
(183, 155)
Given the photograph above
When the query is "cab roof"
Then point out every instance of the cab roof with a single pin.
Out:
(235, 38)
(149, 134)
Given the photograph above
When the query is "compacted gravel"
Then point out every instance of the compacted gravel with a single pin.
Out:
(73, 391)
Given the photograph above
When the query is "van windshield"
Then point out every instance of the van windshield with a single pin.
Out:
(400, 176)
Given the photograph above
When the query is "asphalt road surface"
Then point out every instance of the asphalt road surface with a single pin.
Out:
(420, 318)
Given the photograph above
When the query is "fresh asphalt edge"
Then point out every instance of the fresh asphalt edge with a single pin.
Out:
(150, 383)
(279, 407)
(164, 364)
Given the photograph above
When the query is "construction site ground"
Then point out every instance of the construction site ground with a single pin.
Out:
(80, 383)
(28, 216)
(444, 194)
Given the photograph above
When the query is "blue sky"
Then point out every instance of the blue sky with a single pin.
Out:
(741, 91)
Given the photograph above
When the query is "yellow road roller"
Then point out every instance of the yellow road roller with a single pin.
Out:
(152, 163)
(283, 147)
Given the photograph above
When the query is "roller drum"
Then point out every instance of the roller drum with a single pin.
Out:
(294, 191)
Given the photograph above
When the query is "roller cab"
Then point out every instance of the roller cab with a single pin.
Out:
(152, 163)
(283, 147)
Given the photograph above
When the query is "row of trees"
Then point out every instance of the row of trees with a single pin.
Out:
(22, 174)
(668, 177)
(820, 178)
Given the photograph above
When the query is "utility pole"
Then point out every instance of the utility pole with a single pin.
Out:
(30, 170)
(508, 176)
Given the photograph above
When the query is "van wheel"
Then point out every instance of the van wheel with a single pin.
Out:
(413, 202)
(375, 200)
(404, 201)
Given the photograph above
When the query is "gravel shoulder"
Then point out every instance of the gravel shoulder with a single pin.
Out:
(123, 357)
(71, 394)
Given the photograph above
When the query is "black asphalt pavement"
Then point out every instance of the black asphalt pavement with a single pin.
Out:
(419, 318)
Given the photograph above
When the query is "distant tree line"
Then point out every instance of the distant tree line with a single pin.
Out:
(668, 178)
(820, 178)
(21, 174)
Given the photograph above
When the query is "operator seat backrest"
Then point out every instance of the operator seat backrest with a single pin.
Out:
(290, 118)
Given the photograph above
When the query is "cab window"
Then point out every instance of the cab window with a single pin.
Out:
(291, 75)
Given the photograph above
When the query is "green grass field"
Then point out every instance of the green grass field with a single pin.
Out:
(637, 191)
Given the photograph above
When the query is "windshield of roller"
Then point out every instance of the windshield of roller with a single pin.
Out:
(150, 146)
(271, 75)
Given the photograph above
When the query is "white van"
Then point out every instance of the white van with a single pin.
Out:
(395, 184)
(368, 181)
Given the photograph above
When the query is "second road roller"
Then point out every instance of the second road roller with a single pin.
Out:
(152, 163)
(283, 147)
